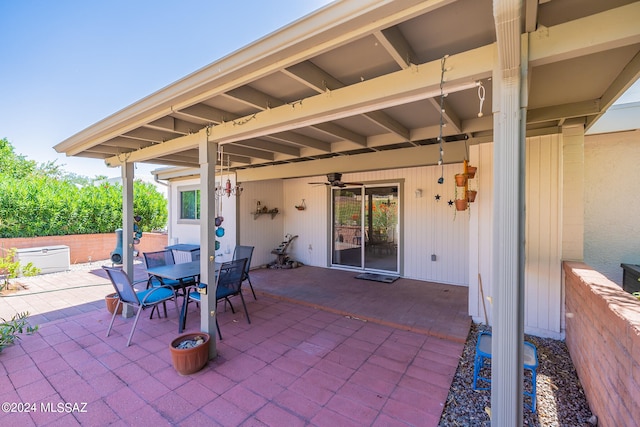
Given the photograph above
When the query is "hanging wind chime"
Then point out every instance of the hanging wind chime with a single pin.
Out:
(442, 96)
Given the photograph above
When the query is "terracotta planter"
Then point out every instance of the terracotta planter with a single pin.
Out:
(112, 301)
(461, 204)
(471, 171)
(187, 361)
(471, 195)
(461, 180)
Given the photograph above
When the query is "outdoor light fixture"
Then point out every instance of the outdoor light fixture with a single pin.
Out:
(227, 189)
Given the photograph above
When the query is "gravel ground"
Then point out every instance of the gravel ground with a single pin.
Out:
(560, 398)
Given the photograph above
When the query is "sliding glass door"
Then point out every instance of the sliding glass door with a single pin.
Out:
(347, 226)
(365, 227)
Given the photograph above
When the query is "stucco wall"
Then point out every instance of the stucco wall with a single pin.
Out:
(612, 204)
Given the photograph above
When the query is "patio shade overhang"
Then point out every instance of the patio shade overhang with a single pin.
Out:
(358, 79)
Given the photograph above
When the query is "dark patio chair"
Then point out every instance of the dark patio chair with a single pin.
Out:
(229, 283)
(149, 297)
(245, 252)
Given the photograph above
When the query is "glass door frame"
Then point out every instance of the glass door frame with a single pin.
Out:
(345, 238)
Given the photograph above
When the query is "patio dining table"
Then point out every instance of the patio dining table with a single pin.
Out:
(181, 272)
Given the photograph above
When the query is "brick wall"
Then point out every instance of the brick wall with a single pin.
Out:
(603, 337)
(83, 247)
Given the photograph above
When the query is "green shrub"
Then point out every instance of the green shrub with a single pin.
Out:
(43, 201)
(10, 269)
(10, 329)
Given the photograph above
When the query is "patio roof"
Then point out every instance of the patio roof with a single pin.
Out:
(357, 79)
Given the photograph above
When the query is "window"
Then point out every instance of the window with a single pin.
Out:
(189, 203)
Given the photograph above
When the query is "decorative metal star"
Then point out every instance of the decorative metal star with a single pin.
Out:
(437, 197)
(450, 202)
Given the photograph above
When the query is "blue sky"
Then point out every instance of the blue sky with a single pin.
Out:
(67, 64)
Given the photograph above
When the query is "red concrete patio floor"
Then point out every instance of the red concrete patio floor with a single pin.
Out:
(294, 365)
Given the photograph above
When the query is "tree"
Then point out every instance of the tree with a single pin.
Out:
(14, 165)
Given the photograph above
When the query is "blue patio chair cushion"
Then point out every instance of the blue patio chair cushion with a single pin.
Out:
(154, 295)
(195, 295)
(220, 294)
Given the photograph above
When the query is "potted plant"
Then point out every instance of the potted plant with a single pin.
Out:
(190, 352)
(461, 179)
(112, 302)
(471, 171)
(461, 204)
(471, 195)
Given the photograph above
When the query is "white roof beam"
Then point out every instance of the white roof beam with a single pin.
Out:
(389, 123)
(301, 140)
(313, 77)
(173, 124)
(272, 147)
(409, 85)
(530, 15)
(322, 82)
(394, 42)
(342, 133)
(449, 115)
(254, 98)
(152, 135)
(592, 34)
(247, 152)
(209, 114)
(380, 160)
(128, 143)
(557, 112)
(623, 81)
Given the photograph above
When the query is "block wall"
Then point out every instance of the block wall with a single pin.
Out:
(603, 337)
(86, 247)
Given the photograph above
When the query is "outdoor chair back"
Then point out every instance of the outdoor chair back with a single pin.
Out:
(229, 283)
(158, 258)
(245, 252)
(149, 297)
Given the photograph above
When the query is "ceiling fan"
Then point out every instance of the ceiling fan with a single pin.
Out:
(334, 180)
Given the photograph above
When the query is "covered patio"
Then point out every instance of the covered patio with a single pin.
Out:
(339, 361)
(393, 93)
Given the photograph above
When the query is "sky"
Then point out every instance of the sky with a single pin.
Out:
(67, 64)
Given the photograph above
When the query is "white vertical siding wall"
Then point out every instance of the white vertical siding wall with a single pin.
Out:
(428, 226)
(263, 232)
(543, 280)
(481, 234)
(310, 225)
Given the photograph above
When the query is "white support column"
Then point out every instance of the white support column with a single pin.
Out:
(508, 241)
(127, 218)
(208, 157)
